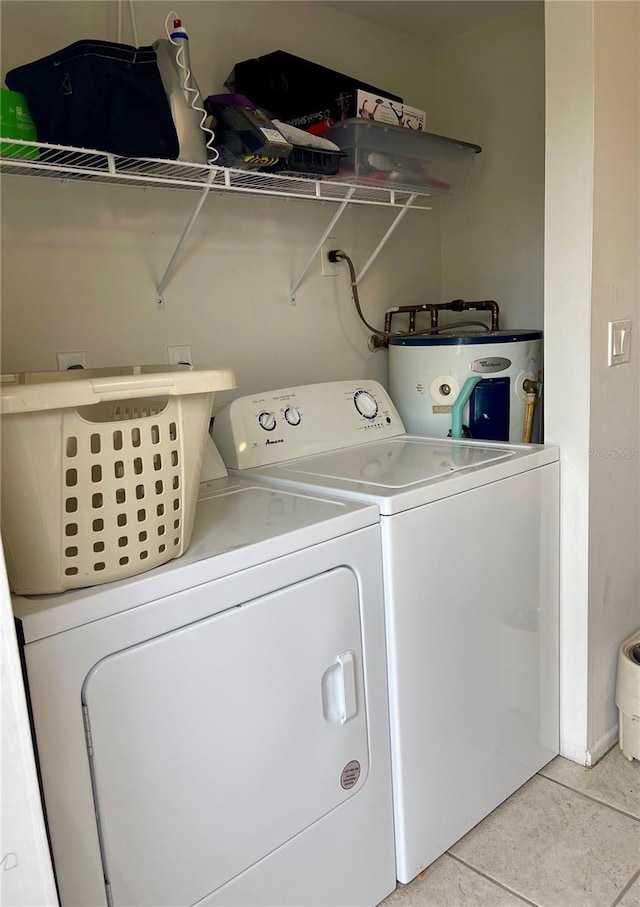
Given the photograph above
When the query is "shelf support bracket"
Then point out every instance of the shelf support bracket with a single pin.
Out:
(386, 236)
(334, 220)
(162, 286)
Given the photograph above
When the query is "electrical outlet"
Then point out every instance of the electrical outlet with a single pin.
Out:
(71, 360)
(329, 268)
(179, 355)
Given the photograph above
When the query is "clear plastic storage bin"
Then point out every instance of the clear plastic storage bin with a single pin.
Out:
(378, 154)
(100, 471)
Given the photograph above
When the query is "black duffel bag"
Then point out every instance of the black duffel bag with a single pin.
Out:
(96, 94)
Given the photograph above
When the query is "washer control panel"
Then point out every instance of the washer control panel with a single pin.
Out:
(267, 421)
(262, 429)
(366, 404)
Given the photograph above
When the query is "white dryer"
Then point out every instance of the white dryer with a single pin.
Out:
(215, 731)
(470, 554)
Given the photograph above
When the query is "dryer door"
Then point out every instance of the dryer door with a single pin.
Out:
(216, 743)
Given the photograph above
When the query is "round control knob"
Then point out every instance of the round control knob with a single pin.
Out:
(292, 415)
(366, 404)
(267, 421)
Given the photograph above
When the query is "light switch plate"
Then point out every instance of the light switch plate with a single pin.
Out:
(619, 342)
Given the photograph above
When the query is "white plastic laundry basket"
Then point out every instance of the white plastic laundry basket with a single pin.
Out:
(100, 471)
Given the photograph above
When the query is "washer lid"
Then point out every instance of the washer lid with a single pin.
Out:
(239, 524)
(402, 473)
(397, 464)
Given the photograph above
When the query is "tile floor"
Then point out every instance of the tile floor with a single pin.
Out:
(570, 837)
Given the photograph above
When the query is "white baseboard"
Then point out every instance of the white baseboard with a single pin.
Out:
(603, 745)
(574, 754)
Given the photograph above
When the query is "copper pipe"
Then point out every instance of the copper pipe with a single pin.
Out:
(412, 311)
(387, 322)
(531, 390)
(459, 305)
(487, 305)
(456, 305)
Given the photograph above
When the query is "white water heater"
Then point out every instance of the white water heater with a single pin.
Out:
(427, 373)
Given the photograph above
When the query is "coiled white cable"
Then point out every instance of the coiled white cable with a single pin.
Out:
(214, 153)
(133, 23)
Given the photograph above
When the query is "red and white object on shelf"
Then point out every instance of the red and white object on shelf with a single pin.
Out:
(381, 154)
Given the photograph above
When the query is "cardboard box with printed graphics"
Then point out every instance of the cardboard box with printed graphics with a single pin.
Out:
(386, 110)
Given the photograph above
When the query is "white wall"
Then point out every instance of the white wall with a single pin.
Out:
(80, 262)
(614, 499)
(591, 251)
(491, 91)
(567, 325)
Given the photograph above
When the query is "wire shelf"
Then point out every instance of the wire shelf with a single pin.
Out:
(61, 162)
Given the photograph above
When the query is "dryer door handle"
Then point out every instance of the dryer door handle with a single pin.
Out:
(347, 661)
(339, 692)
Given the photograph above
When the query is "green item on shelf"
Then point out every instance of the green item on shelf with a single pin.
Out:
(16, 123)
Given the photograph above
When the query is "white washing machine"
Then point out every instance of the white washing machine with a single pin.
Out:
(215, 731)
(470, 555)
